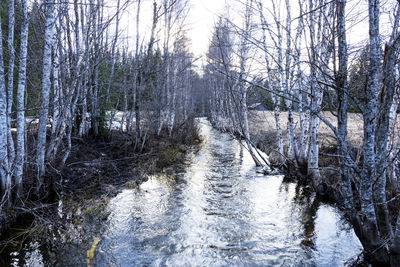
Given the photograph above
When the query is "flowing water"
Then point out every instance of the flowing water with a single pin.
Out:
(217, 211)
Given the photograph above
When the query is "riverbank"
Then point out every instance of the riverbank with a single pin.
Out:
(96, 170)
(263, 135)
(262, 129)
(214, 210)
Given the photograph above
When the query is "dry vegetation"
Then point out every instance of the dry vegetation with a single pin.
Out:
(262, 122)
(263, 133)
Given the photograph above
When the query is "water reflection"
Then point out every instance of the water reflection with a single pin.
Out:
(219, 212)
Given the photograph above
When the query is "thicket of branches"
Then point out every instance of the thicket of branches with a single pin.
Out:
(64, 63)
(298, 53)
(67, 70)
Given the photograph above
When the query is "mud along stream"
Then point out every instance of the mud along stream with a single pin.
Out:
(216, 211)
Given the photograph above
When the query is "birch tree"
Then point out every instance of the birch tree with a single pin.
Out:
(277, 41)
(371, 223)
(4, 164)
(137, 77)
(287, 60)
(219, 74)
(10, 82)
(242, 88)
(46, 85)
(20, 140)
(363, 187)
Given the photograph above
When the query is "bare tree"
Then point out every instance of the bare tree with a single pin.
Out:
(44, 109)
(19, 164)
(4, 164)
(10, 82)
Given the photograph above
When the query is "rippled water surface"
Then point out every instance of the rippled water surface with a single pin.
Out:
(217, 212)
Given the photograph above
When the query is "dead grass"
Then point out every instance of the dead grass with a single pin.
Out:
(263, 133)
(264, 121)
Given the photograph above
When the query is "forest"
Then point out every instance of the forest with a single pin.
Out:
(83, 100)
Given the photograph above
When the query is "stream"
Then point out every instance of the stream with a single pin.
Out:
(214, 211)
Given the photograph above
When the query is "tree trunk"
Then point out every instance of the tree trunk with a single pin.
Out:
(10, 87)
(46, 85)
(4, 165)
(19, 164)
(342, 91)
(275, 98)
(137, 82)
(371, 238)
(383, 131)
(316, 98)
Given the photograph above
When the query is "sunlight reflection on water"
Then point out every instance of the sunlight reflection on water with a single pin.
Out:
(218, 212)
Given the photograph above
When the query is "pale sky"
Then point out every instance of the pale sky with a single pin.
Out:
(204, 13)
(201, 20)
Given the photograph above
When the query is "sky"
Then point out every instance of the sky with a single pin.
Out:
(200, 21)
(204, 13)
(202, 16)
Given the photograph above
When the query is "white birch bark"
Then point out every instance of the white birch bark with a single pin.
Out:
(85, 27)
(124, 126)
(303, 122)
(386, 97)
(19, 163)
(55, 102)
(60, 88)
(166, 65)
(10, 87)
(97, 32)
(371, 112)
(137, 77)
(316, 98)
(241, 83)
(171, 95)
(342, 91)
(291, 138)
(275, 98)
(46, 85)
(113, 56)
(4, 165)
(74, 95)
(394, 145)
(371, 239)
